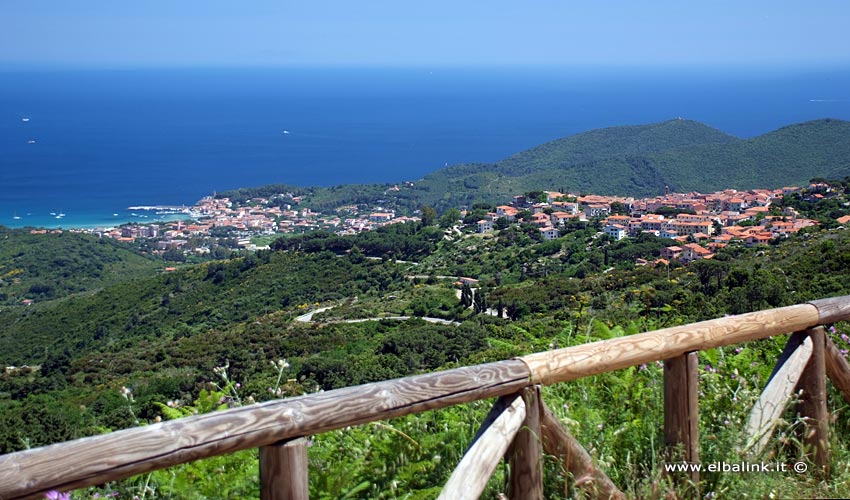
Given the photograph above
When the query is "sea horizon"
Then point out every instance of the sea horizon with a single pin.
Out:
(91, 143)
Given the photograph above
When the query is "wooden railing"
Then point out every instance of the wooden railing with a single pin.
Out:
(519, 425)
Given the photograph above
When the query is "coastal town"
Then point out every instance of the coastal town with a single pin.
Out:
(699, 223)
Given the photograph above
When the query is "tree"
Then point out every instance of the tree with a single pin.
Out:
(450, 218)
(429, 216)
(466, 295)
(619, 208)
(524, 215)
(480, 301)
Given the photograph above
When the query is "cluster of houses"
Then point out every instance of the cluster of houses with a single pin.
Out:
(702, 223)
(261, 216)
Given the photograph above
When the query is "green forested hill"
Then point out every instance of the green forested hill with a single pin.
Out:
(49, 266)
(600, 144)
(641, 160)
(790, 155)
(635, 160)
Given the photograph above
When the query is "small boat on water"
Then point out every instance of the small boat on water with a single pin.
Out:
(25, 120)
(16, 216)
(31, 141)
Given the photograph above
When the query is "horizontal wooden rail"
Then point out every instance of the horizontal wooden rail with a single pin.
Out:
(117, 455)
(98, 459)
(608, 355)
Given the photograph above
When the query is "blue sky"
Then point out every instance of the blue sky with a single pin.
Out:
(111, 33)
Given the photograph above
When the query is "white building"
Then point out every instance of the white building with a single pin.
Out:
(549, 233)
(616, 231)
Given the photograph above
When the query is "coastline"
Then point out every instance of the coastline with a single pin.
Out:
(87, 221)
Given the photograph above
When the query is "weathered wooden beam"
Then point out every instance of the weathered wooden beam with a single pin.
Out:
(812, 387)
(283, 471)
(526, 453)
(778, 392)
(560, 443)
(470, 477)
(832, 310)
(837, 369)
(607, 355)
(109, 457)
(681, 413)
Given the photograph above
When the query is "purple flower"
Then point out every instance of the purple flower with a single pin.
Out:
(55, 495)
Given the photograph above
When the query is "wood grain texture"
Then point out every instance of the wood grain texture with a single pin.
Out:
(812, 387)
(283, 471)
(526, 453)
(777, 393)
(837, 369)
(607, 355)
(95, 460)
(681, 413)
(833, 310)
(470, 477)
(559, 442)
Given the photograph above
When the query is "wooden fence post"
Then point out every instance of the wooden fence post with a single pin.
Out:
(777, 393)
(497, 432)
(837, 369)
(813, 409)
(681, 412)
(283, 471)
(589, 479)
(526, 452)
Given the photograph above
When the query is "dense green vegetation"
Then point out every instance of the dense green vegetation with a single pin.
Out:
(50, 266)
(396, 241)
(186, 302)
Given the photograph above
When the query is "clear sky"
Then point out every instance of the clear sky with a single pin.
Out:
(110, 33)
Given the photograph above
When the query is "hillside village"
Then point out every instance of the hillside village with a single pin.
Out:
(701, 223)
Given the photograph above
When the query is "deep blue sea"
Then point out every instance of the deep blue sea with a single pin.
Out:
(90, 143)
